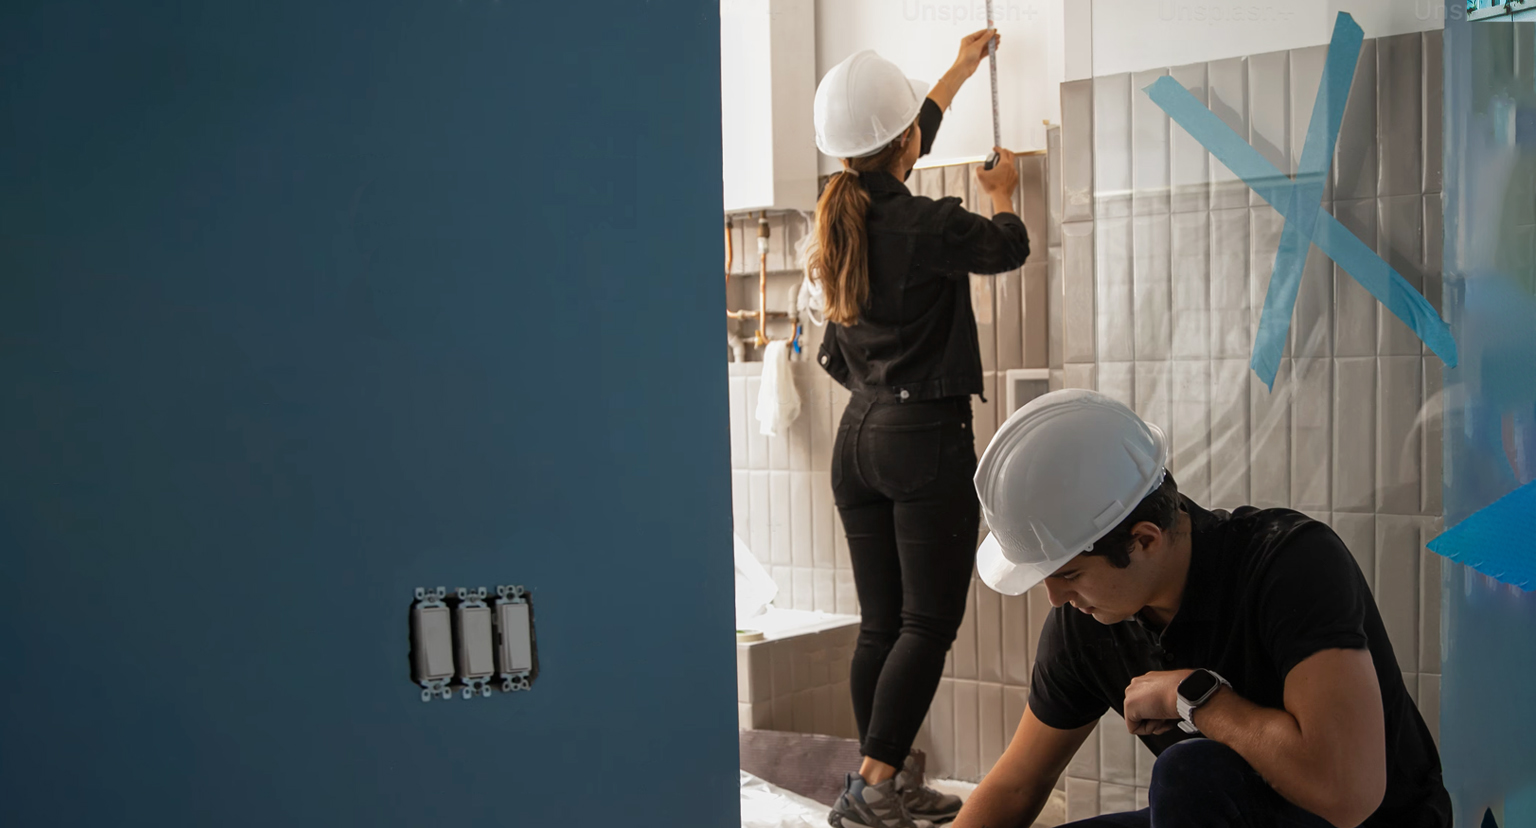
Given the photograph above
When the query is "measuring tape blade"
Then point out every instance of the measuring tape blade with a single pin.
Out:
(997, 138)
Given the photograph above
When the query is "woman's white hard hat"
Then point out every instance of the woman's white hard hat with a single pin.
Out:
(864, 103)
(1061, 472)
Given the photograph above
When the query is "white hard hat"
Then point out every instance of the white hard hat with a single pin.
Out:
(864, 103)
(1061, 473)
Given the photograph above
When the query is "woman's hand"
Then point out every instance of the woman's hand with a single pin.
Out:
(973, 47)
(1001, 179)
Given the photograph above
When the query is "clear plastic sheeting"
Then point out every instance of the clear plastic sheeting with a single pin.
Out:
(1488, 726)
(755, 588)
(766, 805)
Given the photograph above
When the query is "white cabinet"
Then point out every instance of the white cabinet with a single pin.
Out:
(767, 84)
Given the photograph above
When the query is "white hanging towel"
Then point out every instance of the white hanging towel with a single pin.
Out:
(777, 402)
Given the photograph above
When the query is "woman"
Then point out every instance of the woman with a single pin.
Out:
(894, 269)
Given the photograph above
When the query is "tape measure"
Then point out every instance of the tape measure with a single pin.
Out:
(997, 138)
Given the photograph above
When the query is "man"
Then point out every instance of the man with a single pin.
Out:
(1244, 648)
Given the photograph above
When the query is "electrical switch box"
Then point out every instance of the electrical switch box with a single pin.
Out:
(432, 643)
(472, 635)
(514, 646)
(469, 642)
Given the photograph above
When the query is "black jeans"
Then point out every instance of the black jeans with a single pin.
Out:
(1199, 783)
(902, 480)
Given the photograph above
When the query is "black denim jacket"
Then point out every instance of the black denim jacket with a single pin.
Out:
(916, 337)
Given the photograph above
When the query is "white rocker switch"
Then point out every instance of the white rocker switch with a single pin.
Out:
(432, 643)
(476, 661)
(514, 644)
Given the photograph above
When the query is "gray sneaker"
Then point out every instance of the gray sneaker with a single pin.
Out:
(924, 803)
(872, 806)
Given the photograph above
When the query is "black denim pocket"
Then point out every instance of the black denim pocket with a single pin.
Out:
(903, 458)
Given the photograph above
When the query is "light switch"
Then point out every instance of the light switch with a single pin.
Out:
(476, 664)
(516, 654)
(514, 651)
(432, 643)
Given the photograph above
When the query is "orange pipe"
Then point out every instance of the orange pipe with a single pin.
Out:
(752, 314)
(762, 278)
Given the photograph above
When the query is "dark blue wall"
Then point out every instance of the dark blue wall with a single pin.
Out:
(305, 305)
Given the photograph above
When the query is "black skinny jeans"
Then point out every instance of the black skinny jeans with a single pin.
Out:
(902, 480)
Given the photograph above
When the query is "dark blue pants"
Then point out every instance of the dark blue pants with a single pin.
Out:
(1199, 783)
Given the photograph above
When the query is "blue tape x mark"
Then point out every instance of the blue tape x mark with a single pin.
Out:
(1496, 539)
(1299, 200)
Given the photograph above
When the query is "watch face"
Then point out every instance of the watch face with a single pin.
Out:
(1197, 686)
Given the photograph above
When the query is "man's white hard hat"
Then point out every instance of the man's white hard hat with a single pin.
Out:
(864, 103)
(1061, 472)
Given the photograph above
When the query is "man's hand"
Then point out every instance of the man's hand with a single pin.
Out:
(1152, 702)
(1020, 783)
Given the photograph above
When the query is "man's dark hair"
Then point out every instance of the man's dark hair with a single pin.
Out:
(1161, 507)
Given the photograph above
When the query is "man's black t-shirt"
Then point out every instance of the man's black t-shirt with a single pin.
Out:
(1266, 590)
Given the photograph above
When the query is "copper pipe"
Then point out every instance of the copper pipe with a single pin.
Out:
(752, 314)
(762, 278)
(730, 250)
(762, 314)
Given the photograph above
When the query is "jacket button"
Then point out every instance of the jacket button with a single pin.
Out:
(904, 393)
(823, 359)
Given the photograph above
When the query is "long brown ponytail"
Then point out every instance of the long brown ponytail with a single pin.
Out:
(838, 256)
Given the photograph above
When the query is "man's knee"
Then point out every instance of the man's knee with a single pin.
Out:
(1197, 776)
(1196, 756)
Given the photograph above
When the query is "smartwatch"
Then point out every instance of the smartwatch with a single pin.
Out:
(1195, 690)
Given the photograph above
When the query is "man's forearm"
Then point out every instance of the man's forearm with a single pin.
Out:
(1272, 742)
(995, 804)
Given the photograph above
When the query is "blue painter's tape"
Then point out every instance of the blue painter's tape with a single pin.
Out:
(1230, 149)
(1497, 540)
(1306, 198)
(1276, 188)
(1388, 286)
